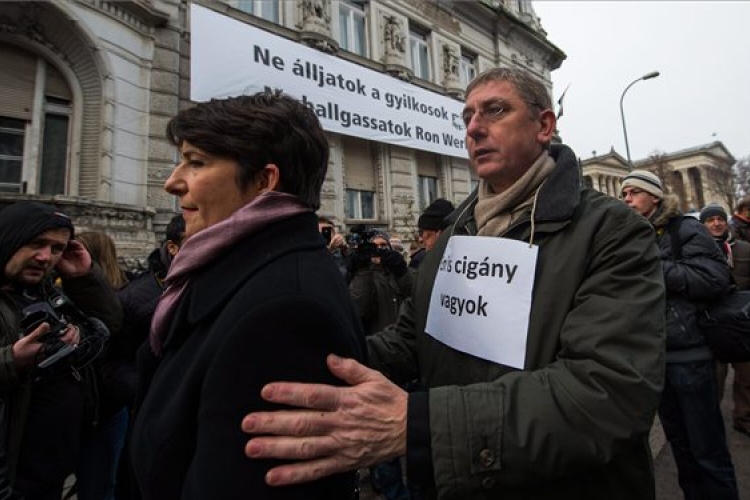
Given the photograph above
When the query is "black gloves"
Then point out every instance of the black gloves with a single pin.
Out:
(393, 261)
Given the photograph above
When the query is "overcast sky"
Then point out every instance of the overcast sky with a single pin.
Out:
(701, 49)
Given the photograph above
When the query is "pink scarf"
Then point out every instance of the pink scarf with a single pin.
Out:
(203, 247)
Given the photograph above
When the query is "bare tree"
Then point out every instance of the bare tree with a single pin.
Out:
(741, 171)
(659, 165)
(722, 181)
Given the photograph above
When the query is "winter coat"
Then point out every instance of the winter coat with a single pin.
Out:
(271, 308)
(699, 277)
(139, 299)
(377, 296)
(740, 227)
(94, 297)
(740, 263)
(574, 423)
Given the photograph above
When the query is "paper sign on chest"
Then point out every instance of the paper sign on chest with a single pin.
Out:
(481, 299)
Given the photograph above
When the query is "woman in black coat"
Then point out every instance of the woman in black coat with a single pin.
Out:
(252, 297)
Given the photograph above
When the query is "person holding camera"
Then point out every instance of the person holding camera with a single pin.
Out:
(49, 334)
(336, 243)
(379, 282)
(379, 285)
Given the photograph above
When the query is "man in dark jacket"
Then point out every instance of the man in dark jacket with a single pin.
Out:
(379, 283)
(737, 254)
(431, 224)
(41, 378)
(540, 342)
(740, 223)
(695, 272)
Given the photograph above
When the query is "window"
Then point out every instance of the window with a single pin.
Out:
(420, 61)
(427, 191)
(266, 9)
(352, 27)
(35, 122)
(360, 204)
(11, 154)
(468, 69)
(359, 175)
(54, 147)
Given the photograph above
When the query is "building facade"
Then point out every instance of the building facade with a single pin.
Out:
(697, 176)
(88, 86)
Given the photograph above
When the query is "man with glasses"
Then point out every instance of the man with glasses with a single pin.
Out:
(536, 325)
(695, 272)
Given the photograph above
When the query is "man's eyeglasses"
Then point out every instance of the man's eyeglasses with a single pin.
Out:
(491, 112)
(632, 192)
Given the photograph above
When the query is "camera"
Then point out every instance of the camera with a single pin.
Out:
(327, 233)
(363, 250)
(43, 312)
(359, 236)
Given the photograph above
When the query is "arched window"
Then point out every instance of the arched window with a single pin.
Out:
(35, 114)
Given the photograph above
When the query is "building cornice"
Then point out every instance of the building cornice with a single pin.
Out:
(137, 14)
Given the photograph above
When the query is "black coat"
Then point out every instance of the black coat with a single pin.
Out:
(699, 276)
(270, 309)
(139, 299)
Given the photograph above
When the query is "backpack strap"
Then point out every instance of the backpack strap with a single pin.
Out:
(673, 230)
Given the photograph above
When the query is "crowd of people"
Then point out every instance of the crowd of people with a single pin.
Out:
(520, 350)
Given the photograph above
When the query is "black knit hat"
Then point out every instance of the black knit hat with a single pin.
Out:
(712, 210)
(434, 215)
(23, 221)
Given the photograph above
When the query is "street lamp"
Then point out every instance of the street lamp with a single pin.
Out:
(647, 76)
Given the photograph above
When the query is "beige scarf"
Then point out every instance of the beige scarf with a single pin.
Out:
(495, 212)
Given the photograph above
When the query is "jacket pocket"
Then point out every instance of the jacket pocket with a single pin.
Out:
(682, 327)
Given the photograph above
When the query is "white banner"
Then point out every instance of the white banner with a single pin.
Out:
(481, 299)
(229, 58)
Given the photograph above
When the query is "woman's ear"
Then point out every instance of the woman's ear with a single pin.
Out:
(270, 178)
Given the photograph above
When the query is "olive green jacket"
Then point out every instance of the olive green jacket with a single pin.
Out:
(574, 423)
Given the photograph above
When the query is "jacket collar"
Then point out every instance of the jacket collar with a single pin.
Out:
(212, 288)
(668, 209)
(558, 196)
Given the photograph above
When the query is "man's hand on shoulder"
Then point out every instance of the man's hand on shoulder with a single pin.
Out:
(75, 261)
(334, 429)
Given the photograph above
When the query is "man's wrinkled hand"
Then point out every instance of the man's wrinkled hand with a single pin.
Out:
(334, 429)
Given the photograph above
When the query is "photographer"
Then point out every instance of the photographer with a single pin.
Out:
(336, 244)
(379, 281)
(48, 338)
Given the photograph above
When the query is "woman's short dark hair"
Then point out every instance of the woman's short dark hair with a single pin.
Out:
(257, 130)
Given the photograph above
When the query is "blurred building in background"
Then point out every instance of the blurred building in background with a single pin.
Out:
(697, 176)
